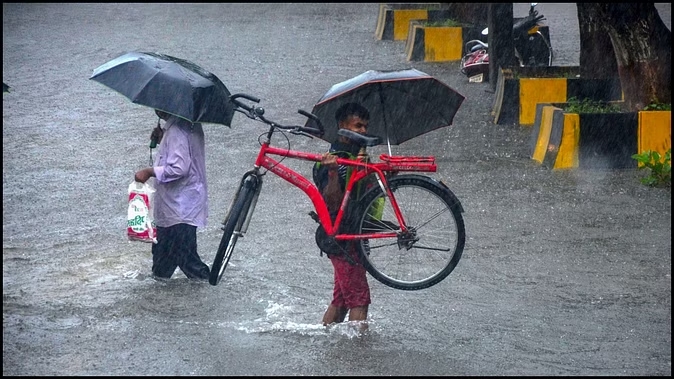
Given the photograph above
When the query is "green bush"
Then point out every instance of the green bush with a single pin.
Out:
(547, 75)
(658, 107)
(449, 22)
(659, 168)
(573, 105)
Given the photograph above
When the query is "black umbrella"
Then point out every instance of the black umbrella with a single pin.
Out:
(403, 104)
(170, 84)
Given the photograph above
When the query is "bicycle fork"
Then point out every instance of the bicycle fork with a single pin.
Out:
(250, 186)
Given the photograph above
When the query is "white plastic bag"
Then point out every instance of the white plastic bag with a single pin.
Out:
(140, 220)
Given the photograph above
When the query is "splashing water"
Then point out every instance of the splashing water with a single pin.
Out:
(278, 319)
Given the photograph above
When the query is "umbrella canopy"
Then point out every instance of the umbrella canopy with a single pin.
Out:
(403, 104)
(170, 84)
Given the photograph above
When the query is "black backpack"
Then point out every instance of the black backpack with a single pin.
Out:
(326, 244)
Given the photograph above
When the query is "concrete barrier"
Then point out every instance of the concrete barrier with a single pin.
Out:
(655, 131)
(539, 90)
(437, 43)
(561, 140)
(518, 90)
(540, 135)
(393, 20)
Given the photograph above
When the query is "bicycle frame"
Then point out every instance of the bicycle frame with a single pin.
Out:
(389, 164)
(442, 215)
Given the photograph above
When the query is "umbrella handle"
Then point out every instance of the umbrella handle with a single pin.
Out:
(362, 154)
(154, 139)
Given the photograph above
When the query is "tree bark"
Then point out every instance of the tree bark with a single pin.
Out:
(597, 58)
(642, 46)
(500, 39)
(468, 13)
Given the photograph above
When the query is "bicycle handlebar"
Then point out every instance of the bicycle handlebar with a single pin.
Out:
(257, 113)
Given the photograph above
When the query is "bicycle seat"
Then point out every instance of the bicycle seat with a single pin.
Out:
(360, 139)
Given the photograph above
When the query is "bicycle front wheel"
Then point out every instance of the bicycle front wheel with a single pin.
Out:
(232, 230)
(431, 248)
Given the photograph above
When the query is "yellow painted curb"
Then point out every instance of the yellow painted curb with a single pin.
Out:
(543, 134)
(567, 155)
(401, 21)
(443, 44)
(655, 131)
(539, 90)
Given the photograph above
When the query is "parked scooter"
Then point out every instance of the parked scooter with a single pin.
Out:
(532, 47)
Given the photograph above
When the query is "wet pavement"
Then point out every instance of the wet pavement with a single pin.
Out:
(563, 273)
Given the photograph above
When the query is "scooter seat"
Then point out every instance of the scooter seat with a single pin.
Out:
(478, 47)
(475, 45)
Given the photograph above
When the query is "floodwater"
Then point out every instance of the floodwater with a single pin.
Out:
(564, 272)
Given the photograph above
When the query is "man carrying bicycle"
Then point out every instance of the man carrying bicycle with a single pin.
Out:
(351, 292)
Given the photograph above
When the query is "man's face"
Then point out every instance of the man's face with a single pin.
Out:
(355, 124)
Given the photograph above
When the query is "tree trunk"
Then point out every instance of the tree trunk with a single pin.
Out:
(500, 39)
(468, 13)
(642, 45)
(597, 58)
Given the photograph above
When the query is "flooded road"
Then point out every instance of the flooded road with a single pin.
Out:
(563, 273)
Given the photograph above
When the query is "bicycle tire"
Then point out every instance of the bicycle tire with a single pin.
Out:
(434, 215)
(232, 226)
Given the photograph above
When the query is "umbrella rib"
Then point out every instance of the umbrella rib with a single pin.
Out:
(142, 88)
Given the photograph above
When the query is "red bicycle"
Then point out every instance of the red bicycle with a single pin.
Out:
(412, 241)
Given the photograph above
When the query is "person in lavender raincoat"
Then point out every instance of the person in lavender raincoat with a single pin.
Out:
(181, 198)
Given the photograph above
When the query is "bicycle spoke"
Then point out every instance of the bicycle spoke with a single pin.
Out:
(431, 245)
(433, 217)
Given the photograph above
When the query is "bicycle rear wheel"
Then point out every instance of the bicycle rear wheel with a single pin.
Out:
(232, 229)
(430, 250)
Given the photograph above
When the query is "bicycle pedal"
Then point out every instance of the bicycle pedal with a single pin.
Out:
(314, 216)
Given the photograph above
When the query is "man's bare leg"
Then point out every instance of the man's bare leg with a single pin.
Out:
(359, 314)
(334, 314)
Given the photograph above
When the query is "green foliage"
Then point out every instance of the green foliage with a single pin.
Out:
(448, 22)
(660, 168)
(658, 107)
(551, 75)
(573, 105)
